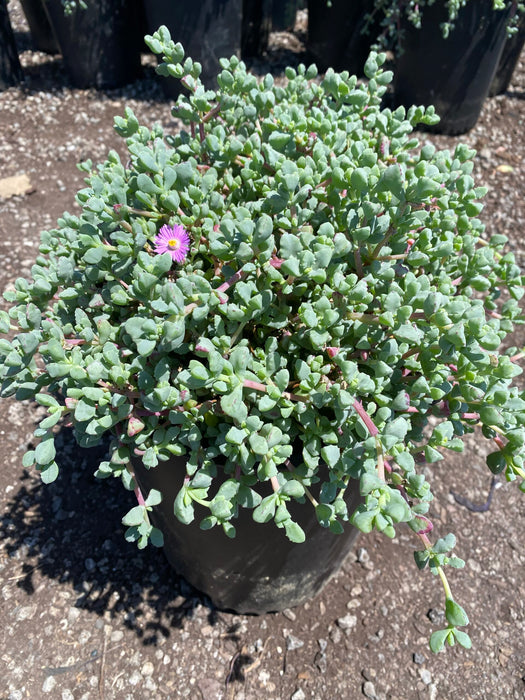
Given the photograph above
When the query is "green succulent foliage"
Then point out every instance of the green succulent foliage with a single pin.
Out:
(338, 300)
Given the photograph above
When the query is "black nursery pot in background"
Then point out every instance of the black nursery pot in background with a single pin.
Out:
(101, 45)
(259, 570)
(335, 34)
(508, 60)
(10, 68)
(41, 32)
(208, 30)
(453, 74)
(283, 14)
(256, 27)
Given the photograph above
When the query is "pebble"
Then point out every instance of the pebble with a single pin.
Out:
(289, 614)
(362, 555)
(293, 642)
(436, 616)
(419, 658)
(49, 684)
(147, 669)
(425, 676)
(369, 673)
(135, 678)
(321, 662)
(335, 635)
(26, 612)
(347, 622)
(298, 695)
(369, 690)
(117, 635)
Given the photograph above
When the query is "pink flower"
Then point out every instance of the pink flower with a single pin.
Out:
(173, 240)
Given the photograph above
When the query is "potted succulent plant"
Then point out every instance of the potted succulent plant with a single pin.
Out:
(277, 314)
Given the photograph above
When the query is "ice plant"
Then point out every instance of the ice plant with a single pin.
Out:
(338, 321)
(173, 240)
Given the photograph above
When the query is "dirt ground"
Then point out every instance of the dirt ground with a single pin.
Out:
(85, 615)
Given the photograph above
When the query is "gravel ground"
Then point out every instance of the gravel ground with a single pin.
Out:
(85, 615)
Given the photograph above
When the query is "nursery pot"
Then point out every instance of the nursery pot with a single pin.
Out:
(508, 60)
(208, 30)
(10, 68)
(41, 32)
(259, 570)
(256, 26)
(283, 15)
(335, 34)
(453, 74)
(100, 45)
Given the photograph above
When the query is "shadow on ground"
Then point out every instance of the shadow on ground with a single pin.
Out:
(71, 532)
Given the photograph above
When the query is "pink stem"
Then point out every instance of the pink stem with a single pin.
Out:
(140, 497)
(249, 384)
(365, 418)
(239, 275)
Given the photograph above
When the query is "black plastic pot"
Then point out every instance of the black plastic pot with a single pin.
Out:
(41, 32)
(100, 45)
(335, 34)
(10, 68)
(208, 30)
(508, 60)
(283, 14)
(259, 570)
(453, 74)
(256, 26)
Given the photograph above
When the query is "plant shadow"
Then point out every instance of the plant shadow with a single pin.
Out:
(71, 532)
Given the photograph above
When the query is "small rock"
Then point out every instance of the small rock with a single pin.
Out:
(335, 635)
(320, 661)
(322, 644)
(117, 635)
(369, 674)
(356, 590)
(418, 658)
(369, 690)
(135, 678)
(293, 642)
(362, 555)
(289, 614)
(298, 695)
(347, 622)
(73, 615)
(90, 564)
(26, 612)
(147, 669)
(425, 676)
(49, 684)
(436, 617)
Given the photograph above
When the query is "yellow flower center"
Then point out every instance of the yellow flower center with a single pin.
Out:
(174, 243)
